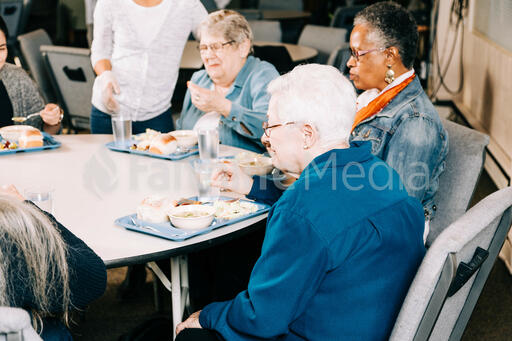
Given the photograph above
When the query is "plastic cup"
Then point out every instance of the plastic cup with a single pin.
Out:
(204, 170)
(208, 141)
(122, 129)
(42, 196)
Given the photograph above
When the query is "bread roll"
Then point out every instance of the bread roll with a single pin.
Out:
(164, 144)
(153, 209)
(30, 138)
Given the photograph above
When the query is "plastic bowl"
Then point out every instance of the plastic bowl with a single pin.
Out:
(254, 164)
(186, 138)
(201, 216)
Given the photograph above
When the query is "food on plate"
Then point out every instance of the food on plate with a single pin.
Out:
(8, 145)
(254, 164)
(186, 138)
(184, 201)
(150, 134)
(153, 209)
(30, 138)
(233, 209)
(163, 144)
(12, 133)
(191, 216)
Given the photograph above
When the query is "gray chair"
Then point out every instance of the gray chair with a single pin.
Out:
(73, 77)
(464, 163)
(324, 39)
(292, 5)
(15, 14)
(450, 279)
(210, 5)
(339, 58)
(343, 17)
(15, 325)
(30, 44)
(266, 30)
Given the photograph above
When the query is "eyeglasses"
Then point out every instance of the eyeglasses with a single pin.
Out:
(214, 47)
(266, 127)
(358, 54)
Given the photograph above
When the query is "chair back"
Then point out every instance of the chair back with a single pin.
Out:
(15, 325)
(343, 17)
(457, 183)
(291, 5)
(266, 30)
(450, 279)
(12, 13)
(324, 39)
(73, 77)
(339, 58)
(30, 44)
(275, 55)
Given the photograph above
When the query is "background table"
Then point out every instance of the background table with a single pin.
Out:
(93, 186)
(191, 59)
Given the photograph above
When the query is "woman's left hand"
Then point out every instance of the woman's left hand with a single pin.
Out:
(191, 322)
(208, 100)
(51, 114)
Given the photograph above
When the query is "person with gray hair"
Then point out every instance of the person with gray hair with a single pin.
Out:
(230, 93)
(45, 269)
(334, 238)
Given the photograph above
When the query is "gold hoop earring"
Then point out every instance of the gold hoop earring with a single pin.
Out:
(390, 75)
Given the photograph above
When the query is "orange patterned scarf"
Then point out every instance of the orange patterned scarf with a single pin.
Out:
(380, 102)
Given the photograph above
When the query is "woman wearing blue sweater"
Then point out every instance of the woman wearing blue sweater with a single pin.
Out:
(342, 243)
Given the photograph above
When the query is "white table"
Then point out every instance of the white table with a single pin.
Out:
(94, 186)
(191, 59)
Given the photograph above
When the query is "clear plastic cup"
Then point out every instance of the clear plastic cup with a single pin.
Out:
(204, 170)
(42, 196)
(208, 141)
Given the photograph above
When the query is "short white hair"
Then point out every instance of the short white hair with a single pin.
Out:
(318, 95)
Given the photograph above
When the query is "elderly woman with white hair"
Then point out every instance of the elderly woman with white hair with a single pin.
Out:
(45, 269)
(230, 93)
(342, 243)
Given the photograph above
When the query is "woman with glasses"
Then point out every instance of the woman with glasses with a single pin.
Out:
(394, 113)
(231, 92)
(336, 263)
(136, 53)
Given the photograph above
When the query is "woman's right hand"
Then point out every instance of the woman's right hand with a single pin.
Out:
(109, 87)
(231, 177)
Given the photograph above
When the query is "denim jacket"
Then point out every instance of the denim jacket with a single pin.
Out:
(249, 104)
(409, 136)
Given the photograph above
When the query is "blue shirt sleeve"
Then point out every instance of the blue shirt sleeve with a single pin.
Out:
(281, 284)
(247, 120)
(265, 190)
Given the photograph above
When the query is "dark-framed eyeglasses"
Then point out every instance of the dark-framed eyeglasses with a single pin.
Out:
(266, 127)
(357, 54)
(214, 47)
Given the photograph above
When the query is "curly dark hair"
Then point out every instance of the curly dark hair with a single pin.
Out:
(394, 25)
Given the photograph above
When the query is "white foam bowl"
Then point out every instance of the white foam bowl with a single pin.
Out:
(179, 216)
(254, 164)
(186, 138)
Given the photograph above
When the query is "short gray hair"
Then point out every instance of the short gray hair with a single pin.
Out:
(28, 237)
(392, 25)
(318, 95)
(230, 24)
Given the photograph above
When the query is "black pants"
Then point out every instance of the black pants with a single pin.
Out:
(195, 334)
(221, 272)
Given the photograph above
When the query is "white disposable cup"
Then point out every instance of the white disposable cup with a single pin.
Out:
(42, 196)
(208, 141)
(204, 170)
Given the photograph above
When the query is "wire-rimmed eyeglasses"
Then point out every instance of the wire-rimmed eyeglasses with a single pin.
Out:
(358, 54)
(266, 127)
(214, 47)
